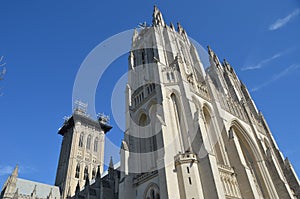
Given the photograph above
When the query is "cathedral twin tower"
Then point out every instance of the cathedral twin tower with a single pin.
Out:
(190, 133)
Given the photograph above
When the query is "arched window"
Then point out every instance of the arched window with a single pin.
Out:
(86, 172)
(88, 142)
(152, 192)
(96, 144)
(80, 144)
(93, 173)
(77, 172)
(143, 120)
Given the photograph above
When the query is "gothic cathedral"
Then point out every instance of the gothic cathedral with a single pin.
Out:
(191, 133)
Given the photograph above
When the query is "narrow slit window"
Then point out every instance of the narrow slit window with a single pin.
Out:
(190, 180)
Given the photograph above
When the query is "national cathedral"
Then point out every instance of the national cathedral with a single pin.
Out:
(191, 133)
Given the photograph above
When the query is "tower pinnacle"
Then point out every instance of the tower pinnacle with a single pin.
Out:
(15, 171)
(111, 164)
(157, 18)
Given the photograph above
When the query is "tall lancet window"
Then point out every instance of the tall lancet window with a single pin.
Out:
(143, 120)
(96, 144)
(88, 142)
(80, 144)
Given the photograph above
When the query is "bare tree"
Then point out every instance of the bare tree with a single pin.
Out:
(2, 70)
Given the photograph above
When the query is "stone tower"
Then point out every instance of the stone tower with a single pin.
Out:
(82, 151)
(194, 133)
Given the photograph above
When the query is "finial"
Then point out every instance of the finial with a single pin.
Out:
(172, 26)
(210, 52)
(15, 171)
(179, 28)
(157, 18)
(225, 63)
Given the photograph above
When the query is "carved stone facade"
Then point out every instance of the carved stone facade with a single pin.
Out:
(191, 133)
(197, 134)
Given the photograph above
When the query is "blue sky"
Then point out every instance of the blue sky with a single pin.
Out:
(45, 42)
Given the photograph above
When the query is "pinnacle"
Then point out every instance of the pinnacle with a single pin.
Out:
(111, 164)
(15, 171)
(157, 18)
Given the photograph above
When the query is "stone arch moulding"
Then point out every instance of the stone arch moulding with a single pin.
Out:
(208, 108)
(244, 134)
(150, 186)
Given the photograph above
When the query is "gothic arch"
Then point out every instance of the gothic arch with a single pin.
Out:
(136, 118)
(143, 119)
(252, 157)
(173, 91)
(208, 107)
(152, 191)
(244, 136)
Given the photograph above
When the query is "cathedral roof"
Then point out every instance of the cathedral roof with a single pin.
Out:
(27, 187)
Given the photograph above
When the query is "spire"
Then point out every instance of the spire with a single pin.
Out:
(210, 52)
(213, 58)
(179, 28)
(15, 172)
(111, 163)
(157, 18)
(172, 26)
(98, 172)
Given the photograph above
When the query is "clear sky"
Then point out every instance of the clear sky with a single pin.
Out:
(45, 42)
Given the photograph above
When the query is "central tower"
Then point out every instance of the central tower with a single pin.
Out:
(157, 152)
(193, 133)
